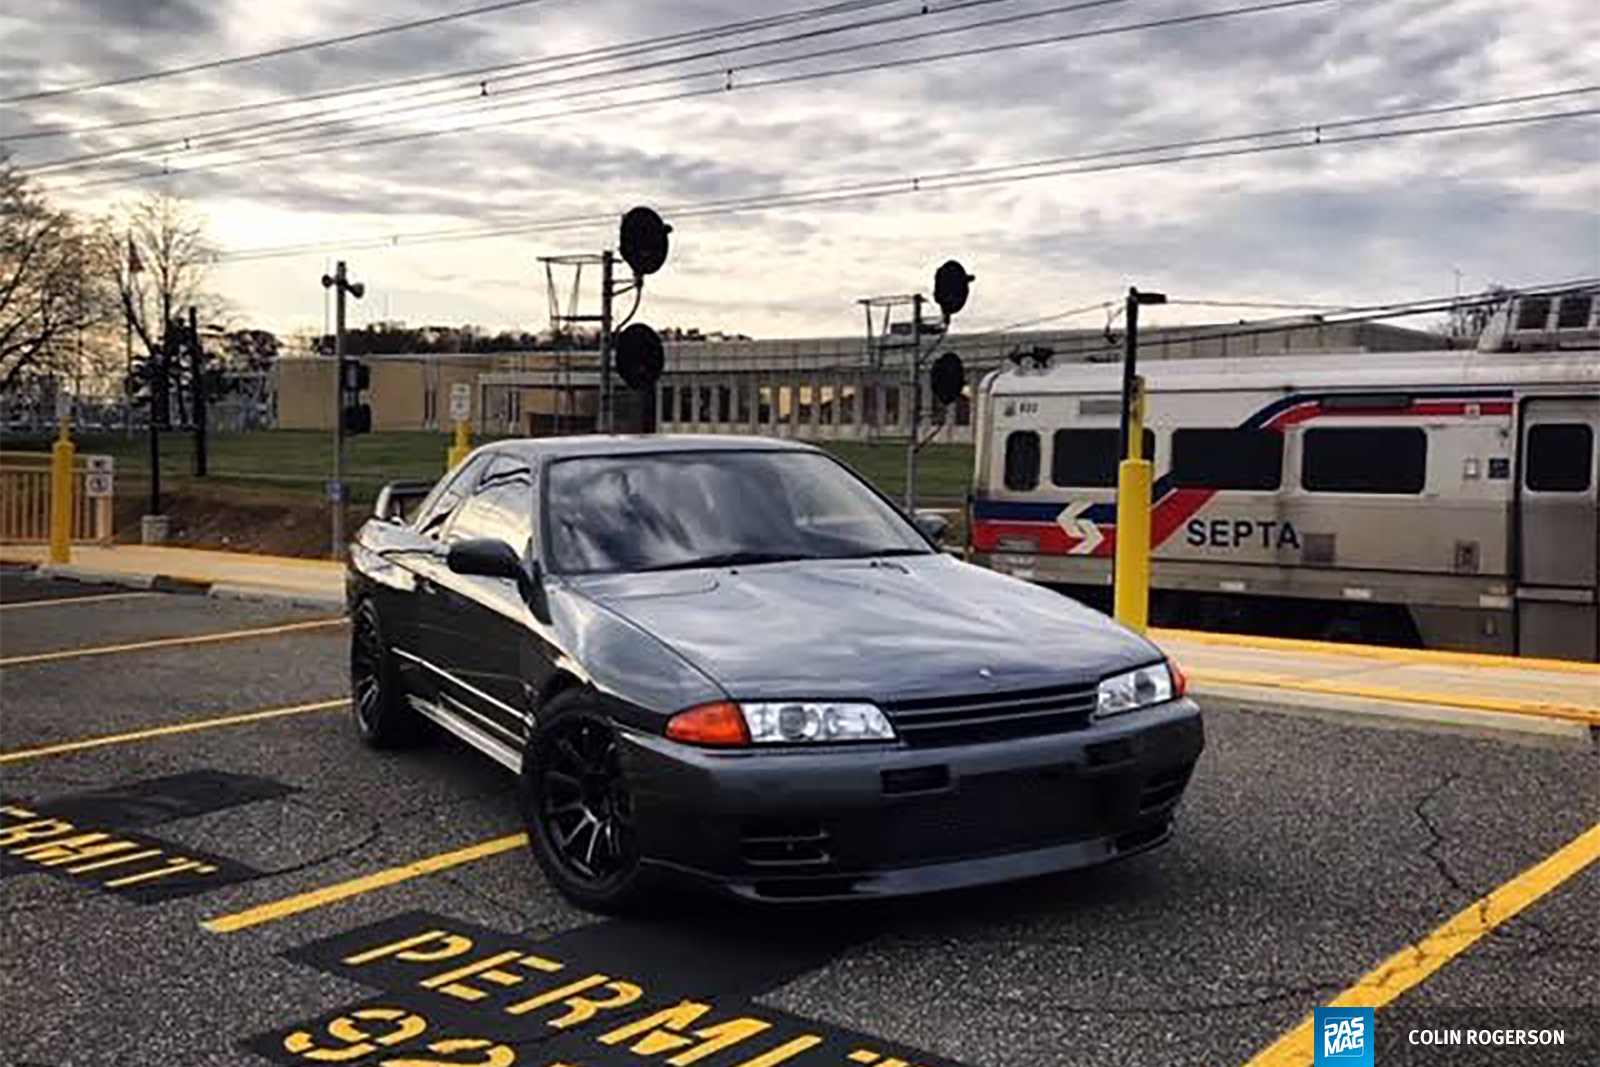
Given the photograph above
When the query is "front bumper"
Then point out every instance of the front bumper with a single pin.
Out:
(863, 822)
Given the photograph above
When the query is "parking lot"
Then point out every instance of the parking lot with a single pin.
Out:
(203, 866)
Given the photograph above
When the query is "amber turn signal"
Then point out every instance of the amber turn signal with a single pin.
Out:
(1180, 681)
(720, 723)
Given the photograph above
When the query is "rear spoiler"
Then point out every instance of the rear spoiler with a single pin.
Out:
(397, 502)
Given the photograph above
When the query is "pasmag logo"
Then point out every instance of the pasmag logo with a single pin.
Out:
(1343, 1037)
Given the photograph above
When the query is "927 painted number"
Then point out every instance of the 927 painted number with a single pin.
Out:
(353, 1032)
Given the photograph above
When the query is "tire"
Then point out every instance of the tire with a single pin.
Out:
(377, 699)
(578, 809)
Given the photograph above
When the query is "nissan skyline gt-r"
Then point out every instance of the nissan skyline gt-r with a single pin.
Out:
(730, 659)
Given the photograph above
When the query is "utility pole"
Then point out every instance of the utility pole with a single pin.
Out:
(340, 283)
(606, 420)
(197, 371)
(914, 395)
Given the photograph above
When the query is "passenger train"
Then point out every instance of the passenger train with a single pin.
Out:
(1433, 499)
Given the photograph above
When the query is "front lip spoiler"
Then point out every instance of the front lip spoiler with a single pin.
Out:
(938, 877)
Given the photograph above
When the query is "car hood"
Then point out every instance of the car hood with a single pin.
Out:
(873, 629)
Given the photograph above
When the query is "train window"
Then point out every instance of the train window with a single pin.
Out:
(1572, 313)
(1361, 459)
(1559, 457)
(1087, 459)
(1533, 313)
(1022, 461)
(1227, 459)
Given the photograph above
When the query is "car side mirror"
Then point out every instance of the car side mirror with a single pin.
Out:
(397, 500)
(490, 557)
(933, 524)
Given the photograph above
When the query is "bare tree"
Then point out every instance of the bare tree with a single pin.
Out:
(159, 255)
(52, 287)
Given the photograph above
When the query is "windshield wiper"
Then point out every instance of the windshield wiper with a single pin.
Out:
(727, 559)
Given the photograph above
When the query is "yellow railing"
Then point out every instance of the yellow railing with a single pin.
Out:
(25, 500)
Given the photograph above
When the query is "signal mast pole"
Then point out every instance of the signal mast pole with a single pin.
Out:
(340, 283)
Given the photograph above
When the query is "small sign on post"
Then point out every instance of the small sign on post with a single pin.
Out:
(460, 402)
(461, 415)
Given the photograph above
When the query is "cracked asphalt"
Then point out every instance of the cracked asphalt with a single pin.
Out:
(1307, 852)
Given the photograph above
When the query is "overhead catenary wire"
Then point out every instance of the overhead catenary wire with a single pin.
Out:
(1311, 135)
(270, 53)
(1210, 332)
(477, 89)
(720, 89)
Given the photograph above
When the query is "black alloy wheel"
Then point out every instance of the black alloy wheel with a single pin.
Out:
(382, 715)
(580, 811)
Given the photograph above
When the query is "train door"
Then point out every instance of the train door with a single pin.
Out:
(1558, 515)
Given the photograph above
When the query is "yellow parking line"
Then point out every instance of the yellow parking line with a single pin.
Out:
(278, 909)
(1383, 652)
(170, 642)
(1545, 709)
(1414, 964)
(55, 602)
(168, 730)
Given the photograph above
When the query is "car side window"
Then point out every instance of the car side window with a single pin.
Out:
(435, 511)
(501, 508)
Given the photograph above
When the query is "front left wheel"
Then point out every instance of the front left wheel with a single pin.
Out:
(579, 809)
(383, 716)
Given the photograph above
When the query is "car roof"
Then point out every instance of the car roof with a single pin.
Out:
(640, 444)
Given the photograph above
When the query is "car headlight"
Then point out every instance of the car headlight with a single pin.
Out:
(781, 722)
(1136, 689)
(795, 721)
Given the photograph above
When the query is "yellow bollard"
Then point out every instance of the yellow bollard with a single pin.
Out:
(1133, 544)
(460, 448)
(1131, 596)
(62, 456)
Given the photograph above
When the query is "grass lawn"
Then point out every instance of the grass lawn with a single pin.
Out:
(299, 461)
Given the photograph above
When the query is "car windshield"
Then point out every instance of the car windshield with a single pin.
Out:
(701, 509)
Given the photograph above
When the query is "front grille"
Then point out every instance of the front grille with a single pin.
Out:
(947, 720)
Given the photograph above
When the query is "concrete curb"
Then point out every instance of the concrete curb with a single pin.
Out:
(1433, 718)
(171, 583)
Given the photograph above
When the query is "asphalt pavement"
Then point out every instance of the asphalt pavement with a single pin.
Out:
(200, 864)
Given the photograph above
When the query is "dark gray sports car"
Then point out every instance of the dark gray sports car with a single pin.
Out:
(730, 658)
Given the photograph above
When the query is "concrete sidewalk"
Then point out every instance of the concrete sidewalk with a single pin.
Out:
(1551, 699)
(235, 574)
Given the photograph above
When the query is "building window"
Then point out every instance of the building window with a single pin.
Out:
(1022, 461)
(724, 404)
(1352, 459)
(891, 405)
(847, 405)
(764, 406)
(666, 402)
(705, 404)
(741, 393)
(785, 403)
(825, 402)
(686, 403)
(869, 405)
(1087, 459)
(1559, 457)
(964, 406)
(1227, 459)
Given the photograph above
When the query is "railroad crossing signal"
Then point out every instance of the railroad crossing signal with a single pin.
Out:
(640, 356)
(643, 241)
(356, 413)
(947, 378)
(951, 283)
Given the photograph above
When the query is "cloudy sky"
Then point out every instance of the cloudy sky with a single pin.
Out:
(1378, 221)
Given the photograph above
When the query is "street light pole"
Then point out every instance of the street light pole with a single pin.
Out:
(340, 283)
